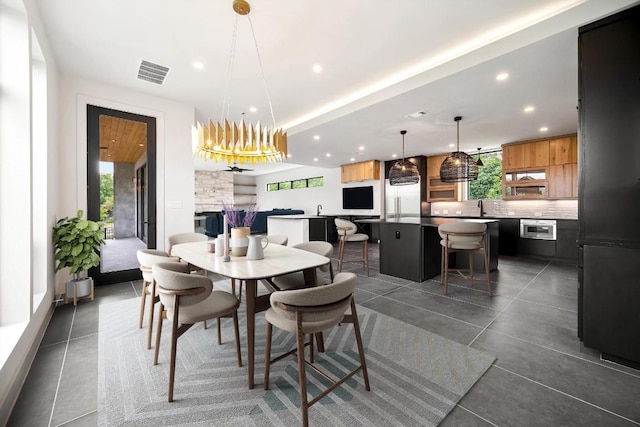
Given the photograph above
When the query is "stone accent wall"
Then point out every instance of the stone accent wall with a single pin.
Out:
(211, 189)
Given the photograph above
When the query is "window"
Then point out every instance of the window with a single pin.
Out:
(296, 184)
(489, 182)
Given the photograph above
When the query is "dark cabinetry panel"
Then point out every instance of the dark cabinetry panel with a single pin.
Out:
(537, 248)
(567, 241)
(509, 235)
(611, 299)
(401, 251)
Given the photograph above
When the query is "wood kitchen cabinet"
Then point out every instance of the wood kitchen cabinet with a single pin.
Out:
(438, 191)
(525, 155)
(361, 171)
(563, 181)
(563, 150)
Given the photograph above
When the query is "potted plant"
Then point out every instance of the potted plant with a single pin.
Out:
(77, 244)
(240, 223)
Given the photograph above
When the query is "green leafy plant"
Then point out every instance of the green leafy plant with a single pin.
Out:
(77, 243)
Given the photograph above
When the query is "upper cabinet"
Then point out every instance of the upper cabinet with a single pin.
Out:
(438, 191)
(542, 169)
(361, 171)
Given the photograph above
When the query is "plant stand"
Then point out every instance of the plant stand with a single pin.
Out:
(73, 295)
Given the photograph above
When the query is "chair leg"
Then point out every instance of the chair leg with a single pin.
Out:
(237, 334)
(471, 266)
(154, 299)
(219, 331)
(356, 327)
(446, 270)
(143, 300)
(302, 377)
(486, 268)
(340, 253)
(158, 334)
(365, 255)
(267, 356)
(331, 271)
(311, 338)
(174, 344)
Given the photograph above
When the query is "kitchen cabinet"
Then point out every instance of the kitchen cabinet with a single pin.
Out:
(438, 191)
(509, 235)
(563, 181)
(401, 251)
(567, 240)
(563, 150)
(525, 155)
(361, 171)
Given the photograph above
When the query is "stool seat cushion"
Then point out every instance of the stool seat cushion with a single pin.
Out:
(358, 237)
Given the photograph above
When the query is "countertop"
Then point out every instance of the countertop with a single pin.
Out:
(296, 216)
(425, 222)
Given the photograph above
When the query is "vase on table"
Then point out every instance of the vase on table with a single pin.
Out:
(239, 241)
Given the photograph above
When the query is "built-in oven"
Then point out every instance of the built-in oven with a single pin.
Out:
(543, 229)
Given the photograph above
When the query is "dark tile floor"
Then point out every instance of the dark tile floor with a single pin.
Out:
(542, 375)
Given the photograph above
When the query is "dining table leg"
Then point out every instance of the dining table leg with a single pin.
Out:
(250, 300)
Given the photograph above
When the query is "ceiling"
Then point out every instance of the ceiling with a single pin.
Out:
(381, 60)
(122, 140)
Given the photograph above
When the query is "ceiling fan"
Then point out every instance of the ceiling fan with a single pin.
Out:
(235, 169)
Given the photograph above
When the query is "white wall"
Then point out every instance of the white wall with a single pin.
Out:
(329, 195)
(175, 163)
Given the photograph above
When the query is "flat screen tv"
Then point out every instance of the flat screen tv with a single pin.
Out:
(357, 197)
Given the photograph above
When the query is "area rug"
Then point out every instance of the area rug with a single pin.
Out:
(416, 377)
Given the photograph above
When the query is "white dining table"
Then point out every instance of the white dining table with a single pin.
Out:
(278, 260)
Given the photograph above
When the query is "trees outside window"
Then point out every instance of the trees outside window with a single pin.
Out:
(489, 182)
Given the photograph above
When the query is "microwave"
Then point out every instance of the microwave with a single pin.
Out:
(543, 229)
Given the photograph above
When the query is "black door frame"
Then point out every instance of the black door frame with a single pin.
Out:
(93, 183)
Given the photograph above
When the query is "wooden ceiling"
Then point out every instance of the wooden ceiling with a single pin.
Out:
(121, 140)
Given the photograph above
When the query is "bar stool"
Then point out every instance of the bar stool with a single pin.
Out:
(347, 233)
(463, 236)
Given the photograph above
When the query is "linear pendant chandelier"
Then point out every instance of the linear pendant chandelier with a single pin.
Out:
(458, 166)
(239, 142)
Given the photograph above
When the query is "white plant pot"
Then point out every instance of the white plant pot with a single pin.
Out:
(83, 287)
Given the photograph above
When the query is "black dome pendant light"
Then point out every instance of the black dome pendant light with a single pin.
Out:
(403, 172)
(458, 166)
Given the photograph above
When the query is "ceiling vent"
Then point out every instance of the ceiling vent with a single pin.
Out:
(151, 72)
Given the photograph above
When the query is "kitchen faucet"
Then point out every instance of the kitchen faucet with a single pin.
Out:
(480, 206)
(318, 210)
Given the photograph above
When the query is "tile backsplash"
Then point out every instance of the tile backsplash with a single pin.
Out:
(552, 209)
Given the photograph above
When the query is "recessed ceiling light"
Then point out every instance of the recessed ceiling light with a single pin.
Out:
(544, 129)
(502, 76)
(416, 114)
(452, 145)
(198, 65)
(253, 109)
(289, 155)
(141, 145)
(352, 159)
(528, 109)
(113, 140)
(317, 68)
(316, 137)
(315, 159)
(361, 148)
(328, 154)
(394, 155)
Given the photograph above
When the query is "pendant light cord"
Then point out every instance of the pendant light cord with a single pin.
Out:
(264, 81)
(226, 99)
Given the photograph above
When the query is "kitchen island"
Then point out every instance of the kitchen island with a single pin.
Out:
(299, 228)
(410, 247)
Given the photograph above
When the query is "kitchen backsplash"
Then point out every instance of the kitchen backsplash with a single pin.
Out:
(552, 209)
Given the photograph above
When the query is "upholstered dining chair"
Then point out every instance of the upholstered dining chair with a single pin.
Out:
(296, 280)
(278, 239)
(347, 233)
(147, 258)
(188, 299)
(470, 237)
(311, 311)
(176, 239)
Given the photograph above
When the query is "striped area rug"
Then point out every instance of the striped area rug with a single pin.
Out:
(416, 377)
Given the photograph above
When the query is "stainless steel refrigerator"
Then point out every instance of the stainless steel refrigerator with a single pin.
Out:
(609, 187)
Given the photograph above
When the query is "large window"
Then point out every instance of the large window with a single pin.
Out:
(295, 184)
(489, 182)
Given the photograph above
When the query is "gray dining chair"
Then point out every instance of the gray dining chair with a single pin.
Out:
(470, 237)
(347, 233)
(310, 311)
(187, 299)
(296, 280)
